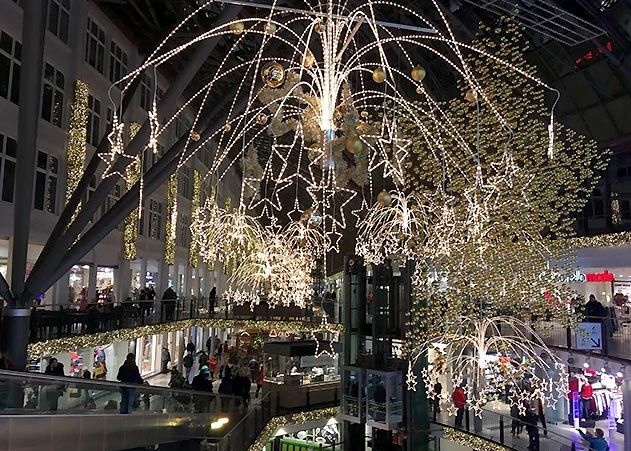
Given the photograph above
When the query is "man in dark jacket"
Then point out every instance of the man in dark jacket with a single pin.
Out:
(169, 299)
(128, 373)
(202, 383)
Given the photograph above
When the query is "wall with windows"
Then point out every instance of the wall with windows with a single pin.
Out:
(83, 44)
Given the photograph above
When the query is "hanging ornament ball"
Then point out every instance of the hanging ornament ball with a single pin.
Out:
(362, 128)
(471, 96)
(227, 127)
(270, 28)
(273, 74)
(378, 75)
(364, 114)
(308, 59)
(195, 136)
(306, 215)
(418, 73)
(320, 27)
(261, 119)
(384, 198)
(420, 90)
(353, 144)
(237, 28)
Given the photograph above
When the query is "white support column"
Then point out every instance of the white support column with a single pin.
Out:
(163, 279)
(143, 273)
(124, 279)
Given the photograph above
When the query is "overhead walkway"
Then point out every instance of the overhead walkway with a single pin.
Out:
(40, 412)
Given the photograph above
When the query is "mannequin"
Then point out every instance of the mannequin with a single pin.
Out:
(587, 393)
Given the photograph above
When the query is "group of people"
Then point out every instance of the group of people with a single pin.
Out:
(526, 417)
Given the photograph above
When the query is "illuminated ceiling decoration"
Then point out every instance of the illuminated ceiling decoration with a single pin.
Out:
(486, 356)
(328, 89)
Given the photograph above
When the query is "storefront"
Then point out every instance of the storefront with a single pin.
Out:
(105, 279)
(78, 282)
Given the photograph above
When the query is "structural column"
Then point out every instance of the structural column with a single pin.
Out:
(92, 282)
(143, 273)
(16, 320)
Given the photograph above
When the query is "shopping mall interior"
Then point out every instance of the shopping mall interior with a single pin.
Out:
(305, 225)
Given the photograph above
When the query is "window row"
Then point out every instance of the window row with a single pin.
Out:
(95, 45)
(46, 176)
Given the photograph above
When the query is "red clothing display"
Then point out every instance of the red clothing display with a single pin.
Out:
(587, 392)
(459, 397)
(573, 385)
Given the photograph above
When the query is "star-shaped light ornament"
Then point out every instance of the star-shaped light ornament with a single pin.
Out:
(391, 151)
(325, 328)
(411, 378)
(116, 150)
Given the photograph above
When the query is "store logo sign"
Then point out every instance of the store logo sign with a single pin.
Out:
(604, 276)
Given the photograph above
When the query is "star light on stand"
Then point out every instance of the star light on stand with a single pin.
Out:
(411, 378)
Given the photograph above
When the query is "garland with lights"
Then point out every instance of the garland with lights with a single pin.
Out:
(193, 256)
(57, 345)
(77, 134)
(472, 441)
(171, 221)
(130, 232)
(298, 418)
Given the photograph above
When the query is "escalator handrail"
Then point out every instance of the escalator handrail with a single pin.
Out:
(111, 385)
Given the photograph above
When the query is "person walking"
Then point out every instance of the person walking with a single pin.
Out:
(190, 347)
(438, 389)
(259, 380)
(459, 398)
(532, 429)
(128, 373)
(203, 384)
(188, 362)
(165, 359)
(212, 299)
(596, 443)
(169, 298)
(516, 426)
(212, 366)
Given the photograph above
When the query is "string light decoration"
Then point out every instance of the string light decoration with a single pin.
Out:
(77, 134)
(171, 222)
(57, 345)
(471, 441)
(273, 272)
(297, 418)
(487, 356)
(390, 229)
(326, 332)
(497, 210)
(328, 85)
(193, 256)
(130, 232)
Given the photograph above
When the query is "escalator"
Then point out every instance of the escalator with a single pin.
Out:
(41, 412)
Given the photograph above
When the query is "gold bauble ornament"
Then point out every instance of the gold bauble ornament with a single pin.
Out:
(306, 215)
(261, 119)
(362, 128)
(384, 198)
(273, 74)
(227, 127)
(237, 28)
(195, 136)
(320, 27)
(418, 73)
(308, 59)
(378, 75)
(353, 144)
(270, 28)
(471, 96)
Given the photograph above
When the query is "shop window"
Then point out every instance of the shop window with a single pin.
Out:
(46, 177)
(118, 62)
(53, 95)
(58, 18)
(149, 158)
(109, 118)
(78, 284)
(8, 154)
(10, 63)
(155, 219)
(625, 209)
(112, 198)
(95, 45)
(94, 121)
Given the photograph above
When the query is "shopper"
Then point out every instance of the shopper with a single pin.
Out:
(203, 359)
(190, 347)
(202, 384)
(188, 362)
(516, 424)
(212, 299)
(128, 373)
(594, 310)
(166, 358)
(459, 397)
(597, 443)
(438, 389)
(209, 344)
(253, 365)
(541, 415)
(169, 298)
(259, 380)
(212, 366)
(54, 391)
(532, 429)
